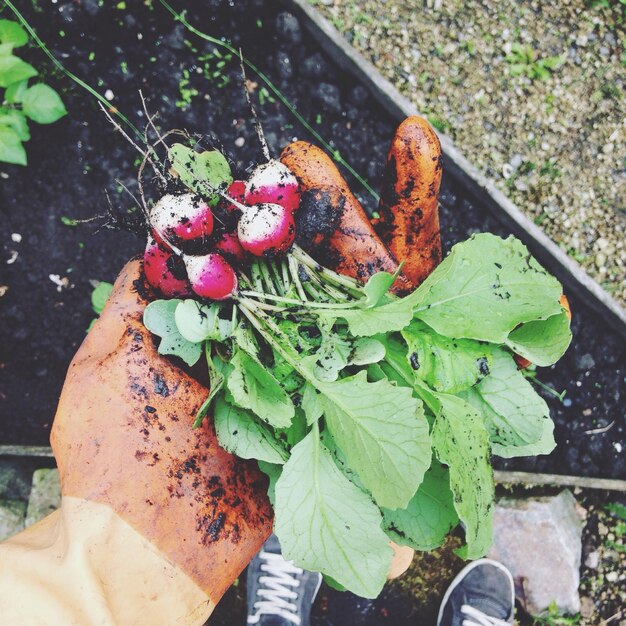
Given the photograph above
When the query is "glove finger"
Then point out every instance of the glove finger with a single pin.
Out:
(354, 248)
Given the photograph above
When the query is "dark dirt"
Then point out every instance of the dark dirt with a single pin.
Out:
(72, 162)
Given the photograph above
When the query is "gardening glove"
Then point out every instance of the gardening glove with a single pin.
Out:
(156, 519)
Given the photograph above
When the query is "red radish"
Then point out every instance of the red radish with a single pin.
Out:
(228, 245)
(211, 276)
(164, 270)
(273, 183)
(266, 229)
(236, 191)
(182, 218)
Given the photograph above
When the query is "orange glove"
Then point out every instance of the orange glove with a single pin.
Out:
(156, 520)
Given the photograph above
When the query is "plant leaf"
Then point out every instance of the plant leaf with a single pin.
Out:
(484, 289)
(311, 404)
(449, 365)
(239, 432)
(383, 432)
(253, 387)
(158, 318)
(13, 70)
(11, 148)
(42, 104)
(100, 295)
(273, 472)
(514, 414)
(218, 370)
(385, 318)
(377, 287)
(332, 355)
(367, 350)
(15, 119)
(461, 442)
(197, 322)
(325, 523)
(15, 91)
(12, 33)
(430, 515)
(203, 172)
(542, 342)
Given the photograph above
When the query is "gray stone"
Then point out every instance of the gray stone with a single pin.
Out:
(328, 96)
(45, 495)
(12, 514)
(584, 362)
(539, 540)
(15, 479)
(288, 28)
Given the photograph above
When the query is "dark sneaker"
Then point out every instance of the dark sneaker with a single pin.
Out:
(279, 593)
(482, 594)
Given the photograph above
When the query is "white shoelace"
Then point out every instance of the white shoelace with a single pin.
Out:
(478, 618)
(275, 589)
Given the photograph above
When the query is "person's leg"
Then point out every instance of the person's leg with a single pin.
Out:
(482, 594)
(279, 593)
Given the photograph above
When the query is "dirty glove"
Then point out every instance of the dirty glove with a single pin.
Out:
(156, 519)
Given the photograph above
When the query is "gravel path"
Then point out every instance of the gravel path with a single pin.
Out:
(533, 93)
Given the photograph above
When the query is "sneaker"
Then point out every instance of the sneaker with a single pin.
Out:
(482, 594)
(279, 593)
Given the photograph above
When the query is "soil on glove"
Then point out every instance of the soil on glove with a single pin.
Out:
(121, 48)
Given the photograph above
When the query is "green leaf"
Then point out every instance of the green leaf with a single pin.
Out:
(311, 404)
(15, 119)
(376, 287)
(253, 387)
(484, 289)
(239, 432)
(218, 371)
(43, 104)
(383, 432)
(12, 33)
(158, 318)
(542, 342)
(367, 350)
(197, 322)
(15, 91)
(449, 365)
(203, 172)
(273, 472)
(385, 318)
(100, 295)
(13, 70)
(11, 149)
(332, 356)
(514, 414)
(325, 523)
(430, 515)
(333, 584)
(461, 442)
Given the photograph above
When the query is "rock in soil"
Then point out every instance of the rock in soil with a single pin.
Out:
(45, 495)
(15, 479)
(539, 540)
(12, 514)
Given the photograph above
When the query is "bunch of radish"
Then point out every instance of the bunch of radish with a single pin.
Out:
(190, 251)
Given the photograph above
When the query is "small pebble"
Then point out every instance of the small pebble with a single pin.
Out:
(240, 141)
(592, 560)
(109, 95)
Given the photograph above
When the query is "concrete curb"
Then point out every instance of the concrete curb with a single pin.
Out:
(459, 168)
(500, 477)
